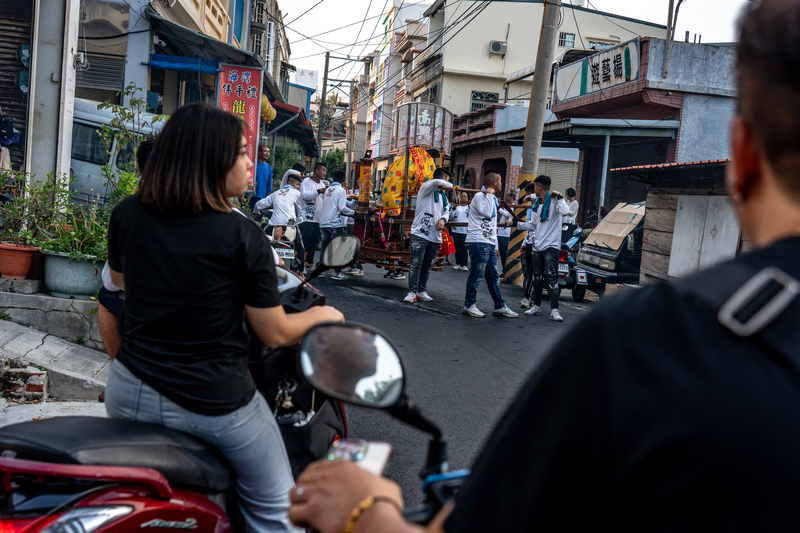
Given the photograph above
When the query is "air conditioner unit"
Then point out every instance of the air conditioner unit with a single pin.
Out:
(498, 47)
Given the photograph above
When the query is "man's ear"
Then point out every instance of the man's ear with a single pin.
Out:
(746, 167)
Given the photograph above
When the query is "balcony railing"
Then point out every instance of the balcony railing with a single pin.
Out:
(210, 16)
(427, 73)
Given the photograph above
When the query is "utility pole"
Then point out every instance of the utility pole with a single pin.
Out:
(668, 49)
(534, 127)
(541, 88)
(350, 139)
(322, 105)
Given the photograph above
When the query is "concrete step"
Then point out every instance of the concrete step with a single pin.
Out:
(13, 413)
(74, 371)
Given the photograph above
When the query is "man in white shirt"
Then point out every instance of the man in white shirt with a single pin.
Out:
(483, 250)
(504, 220)
(286, 205)
(333, 215)
(430, 215)
(459, 233)
(572, 203)
(311, 191)
(298, 169)
(547, 218)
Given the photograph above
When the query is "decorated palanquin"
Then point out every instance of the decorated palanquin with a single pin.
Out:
(384, 225)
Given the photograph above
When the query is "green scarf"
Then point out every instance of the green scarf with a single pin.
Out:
(545, 209)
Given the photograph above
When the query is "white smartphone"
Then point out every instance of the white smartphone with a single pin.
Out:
(371, 456)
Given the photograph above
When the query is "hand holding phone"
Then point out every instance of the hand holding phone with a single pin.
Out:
(371, 456)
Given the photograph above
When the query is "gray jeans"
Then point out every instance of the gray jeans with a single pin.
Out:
(249, 439)
(423, 253)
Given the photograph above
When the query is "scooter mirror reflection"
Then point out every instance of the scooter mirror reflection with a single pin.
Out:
(341, 251)
(290, 233)
(353, 364)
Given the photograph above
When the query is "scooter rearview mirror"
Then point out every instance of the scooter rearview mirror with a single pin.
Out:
(354, 364)
(340, 252)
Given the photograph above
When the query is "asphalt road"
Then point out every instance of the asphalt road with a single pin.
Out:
(462, 370)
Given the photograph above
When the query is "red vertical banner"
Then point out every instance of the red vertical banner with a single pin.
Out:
(239, 91)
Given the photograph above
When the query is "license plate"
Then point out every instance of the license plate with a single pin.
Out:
(285, 253)
(563, 268)
(583, 279)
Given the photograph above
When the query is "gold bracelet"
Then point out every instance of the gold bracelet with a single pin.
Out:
(363, 506)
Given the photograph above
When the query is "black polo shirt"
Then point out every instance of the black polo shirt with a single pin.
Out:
(649, 416)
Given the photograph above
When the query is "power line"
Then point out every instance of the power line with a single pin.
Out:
(608, 19)
(304, 12)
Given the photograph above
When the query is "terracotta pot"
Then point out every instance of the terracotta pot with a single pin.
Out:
(15, 261)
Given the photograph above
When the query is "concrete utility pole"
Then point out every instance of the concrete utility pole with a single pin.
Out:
(350, 137)
(668, 49)
(322, 105)
(540, 91)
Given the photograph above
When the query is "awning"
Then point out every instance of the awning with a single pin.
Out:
(291, 122)
(191, 43)
(569, 133)
(182, 42)
(184, 64)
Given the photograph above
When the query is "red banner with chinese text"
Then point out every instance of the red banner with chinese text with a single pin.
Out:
(239, 91)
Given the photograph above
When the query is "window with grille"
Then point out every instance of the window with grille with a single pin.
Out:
(261, 12)
(566, 40)
(481, 100)
(258, 44)
(270, 47)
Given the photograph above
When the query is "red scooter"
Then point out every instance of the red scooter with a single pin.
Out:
(85, 474)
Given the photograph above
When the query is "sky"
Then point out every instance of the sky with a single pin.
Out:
(354, 21)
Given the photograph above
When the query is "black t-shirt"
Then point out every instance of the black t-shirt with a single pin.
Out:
(187, 280)
(649, 416)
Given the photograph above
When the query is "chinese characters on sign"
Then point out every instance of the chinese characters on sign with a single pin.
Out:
(240, 93)
(603, 70)
(422, 124)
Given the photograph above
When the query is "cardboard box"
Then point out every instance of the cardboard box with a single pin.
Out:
(613, 229)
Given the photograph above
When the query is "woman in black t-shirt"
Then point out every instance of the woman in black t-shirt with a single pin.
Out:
(192, 270)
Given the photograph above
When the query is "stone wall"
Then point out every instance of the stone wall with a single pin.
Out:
(70, 319)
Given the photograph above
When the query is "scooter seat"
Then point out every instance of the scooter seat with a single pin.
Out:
(183, 459)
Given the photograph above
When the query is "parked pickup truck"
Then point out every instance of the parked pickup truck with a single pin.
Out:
(612, 253)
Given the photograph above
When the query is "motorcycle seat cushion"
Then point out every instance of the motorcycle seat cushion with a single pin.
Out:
(181, 458)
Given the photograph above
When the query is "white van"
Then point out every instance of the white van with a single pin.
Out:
(89, 152)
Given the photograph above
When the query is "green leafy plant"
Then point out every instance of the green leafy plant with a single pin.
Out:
(79, 339)
(82, 234)
(28, 218)
(334, 160)
(282, 159)
(5, 316)
(127, 128)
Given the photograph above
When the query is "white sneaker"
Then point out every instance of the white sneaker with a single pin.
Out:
(338, 276)
(357, 272)
(473, 311)
(506, 312)
(397, 274)
(555, 315)
(525, 303)
(534, 311)
(424, 296)
(410, 298)
(457, 267)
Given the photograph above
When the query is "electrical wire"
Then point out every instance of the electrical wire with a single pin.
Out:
(601, 13)
(304, 12)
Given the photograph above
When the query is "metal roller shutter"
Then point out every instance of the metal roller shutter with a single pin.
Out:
(104, 73)
(15, 29)
(563, 173)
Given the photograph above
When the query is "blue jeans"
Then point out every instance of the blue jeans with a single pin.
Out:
(483, 264)
(249, 439)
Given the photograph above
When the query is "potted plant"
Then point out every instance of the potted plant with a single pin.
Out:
(76, 251)
(27, 212)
